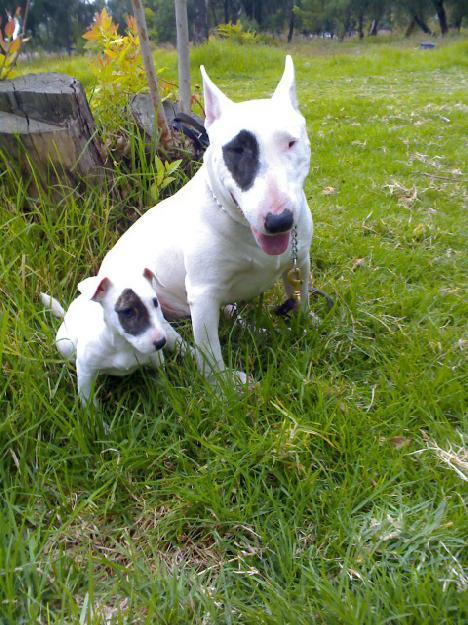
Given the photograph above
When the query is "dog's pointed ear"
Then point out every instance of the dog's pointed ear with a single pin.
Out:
(95, 288)
(215, 100)
(286, 89)
(101, 289)
(151, 277)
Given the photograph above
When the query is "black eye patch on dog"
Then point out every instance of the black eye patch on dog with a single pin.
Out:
(241, 158)
(133, 314)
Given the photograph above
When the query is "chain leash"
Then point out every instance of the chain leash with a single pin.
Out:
(294, 274)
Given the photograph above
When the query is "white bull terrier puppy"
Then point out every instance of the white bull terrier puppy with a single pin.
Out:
(113, 327)
(230, 233)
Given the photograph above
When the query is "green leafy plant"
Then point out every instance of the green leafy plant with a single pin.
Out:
(9, 47)
(164, 176)
(235, 32)
(119, 73)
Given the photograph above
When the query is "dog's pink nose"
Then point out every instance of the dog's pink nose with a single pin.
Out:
(279, 223)
(160, 343)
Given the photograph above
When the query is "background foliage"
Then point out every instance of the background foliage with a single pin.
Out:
(57, 25)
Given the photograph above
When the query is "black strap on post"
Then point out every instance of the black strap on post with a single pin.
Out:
(192, 128)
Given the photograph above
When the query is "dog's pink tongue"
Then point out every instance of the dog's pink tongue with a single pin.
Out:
(272, 244)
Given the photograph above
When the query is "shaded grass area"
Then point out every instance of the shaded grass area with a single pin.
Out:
(319, 496)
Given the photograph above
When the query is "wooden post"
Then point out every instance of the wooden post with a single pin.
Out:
(165, 133)
(183, 56)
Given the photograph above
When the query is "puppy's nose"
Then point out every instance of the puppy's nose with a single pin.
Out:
(159, 344)
(279, 223)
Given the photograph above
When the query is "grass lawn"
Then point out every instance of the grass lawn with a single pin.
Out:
(331, 493)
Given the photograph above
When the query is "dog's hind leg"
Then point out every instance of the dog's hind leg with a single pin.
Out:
(65, 343)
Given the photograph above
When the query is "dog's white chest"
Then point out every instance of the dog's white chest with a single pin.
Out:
(121, 363)
(251, 275)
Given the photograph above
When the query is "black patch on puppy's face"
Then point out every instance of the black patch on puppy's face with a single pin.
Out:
(133, 314)
(241, 158)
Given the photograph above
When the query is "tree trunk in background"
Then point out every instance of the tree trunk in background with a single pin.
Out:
(148, 61)
(361, 26)
(258, 13)
(67, 28)
(183, 56)
(422, 24)
(457, 22)
(374, 28)
(25, 18)
(346, 26)
(214, 15)
(200, 26)
(46, 127)
(234, 10)
(410, 27)
(291, 21)
(442, 15)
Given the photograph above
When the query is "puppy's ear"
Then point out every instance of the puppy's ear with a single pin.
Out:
(150, 276)
(286, 89)
(215, 100)
(95, 288)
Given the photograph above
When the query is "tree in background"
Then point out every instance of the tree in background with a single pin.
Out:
(416, 13)
(55, 25)
(59, 24)
(458, 9)
(200, 22)
(441, 15)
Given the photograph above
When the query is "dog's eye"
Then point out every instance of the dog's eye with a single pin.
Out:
(127, 312)
(155, 302)
(292, 143)
(237, 150)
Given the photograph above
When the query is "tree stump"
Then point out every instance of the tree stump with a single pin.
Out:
(46, 126)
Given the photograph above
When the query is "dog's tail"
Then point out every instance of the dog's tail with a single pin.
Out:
(52, 304)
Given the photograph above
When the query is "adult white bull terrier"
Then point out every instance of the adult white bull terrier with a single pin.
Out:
(229, 234)
(113, 327)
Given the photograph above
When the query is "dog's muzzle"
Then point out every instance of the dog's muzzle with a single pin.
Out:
(274, 224)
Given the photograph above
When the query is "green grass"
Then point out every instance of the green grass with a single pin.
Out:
(322, 495)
